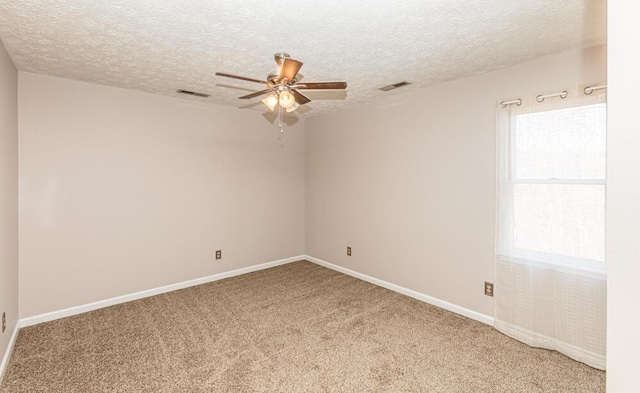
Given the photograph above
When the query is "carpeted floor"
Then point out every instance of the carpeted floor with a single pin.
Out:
(294, 328)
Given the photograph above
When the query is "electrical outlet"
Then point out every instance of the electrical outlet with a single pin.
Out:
(488, 288)
(219, 254)
(349, 251)
(4, 321)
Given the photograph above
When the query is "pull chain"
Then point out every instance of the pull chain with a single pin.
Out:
(280, 120)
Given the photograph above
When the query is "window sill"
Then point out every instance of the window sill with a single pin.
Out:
(575, 266)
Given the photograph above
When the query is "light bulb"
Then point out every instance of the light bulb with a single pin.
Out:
(286, 99)
(271, 101)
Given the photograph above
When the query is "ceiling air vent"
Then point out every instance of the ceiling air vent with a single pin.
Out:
(193, 93)
(395, 86)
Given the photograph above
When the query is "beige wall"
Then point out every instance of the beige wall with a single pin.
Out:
(8, 195)
(122, 191)
(623, 201)
(409, 181)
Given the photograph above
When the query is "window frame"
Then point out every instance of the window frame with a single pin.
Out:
(507, 182)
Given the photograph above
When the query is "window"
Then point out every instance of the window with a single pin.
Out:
(553, 186)
(550, 272)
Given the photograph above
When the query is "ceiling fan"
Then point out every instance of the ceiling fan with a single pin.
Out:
(283, 85)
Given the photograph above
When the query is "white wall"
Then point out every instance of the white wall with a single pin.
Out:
(8, 196)
(122, 191)
(623, 200)
(409, 181)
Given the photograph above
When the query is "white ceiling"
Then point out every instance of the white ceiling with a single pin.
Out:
(160, 46)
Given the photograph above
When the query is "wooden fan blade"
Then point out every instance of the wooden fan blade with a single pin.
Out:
(256, 94)
(243, 78)
(301, 99)
(289, 69)
(321, 85)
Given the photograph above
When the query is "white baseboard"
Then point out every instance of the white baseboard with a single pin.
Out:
(405, 291)
(7, 353)
(50, 316)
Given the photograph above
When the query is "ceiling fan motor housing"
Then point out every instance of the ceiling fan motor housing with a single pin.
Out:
(273, 77)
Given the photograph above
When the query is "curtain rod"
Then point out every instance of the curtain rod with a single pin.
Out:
(590, 89)
(517, 101)
(541, 97)
(563, 94)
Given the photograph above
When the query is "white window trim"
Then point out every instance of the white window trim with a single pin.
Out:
(506, 181)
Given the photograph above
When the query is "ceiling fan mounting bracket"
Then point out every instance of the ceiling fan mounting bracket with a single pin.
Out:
(279, 58)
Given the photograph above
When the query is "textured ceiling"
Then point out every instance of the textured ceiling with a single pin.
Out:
(160, 46)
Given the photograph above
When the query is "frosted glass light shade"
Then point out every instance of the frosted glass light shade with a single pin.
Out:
(293, 107)
(287, 99)
(271, 101)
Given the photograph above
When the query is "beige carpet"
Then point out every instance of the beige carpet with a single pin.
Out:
(294, 328)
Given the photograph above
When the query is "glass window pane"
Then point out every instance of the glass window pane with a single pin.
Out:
(561, 144)
(564, 219)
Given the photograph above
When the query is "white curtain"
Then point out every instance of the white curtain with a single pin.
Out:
(550, 273)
